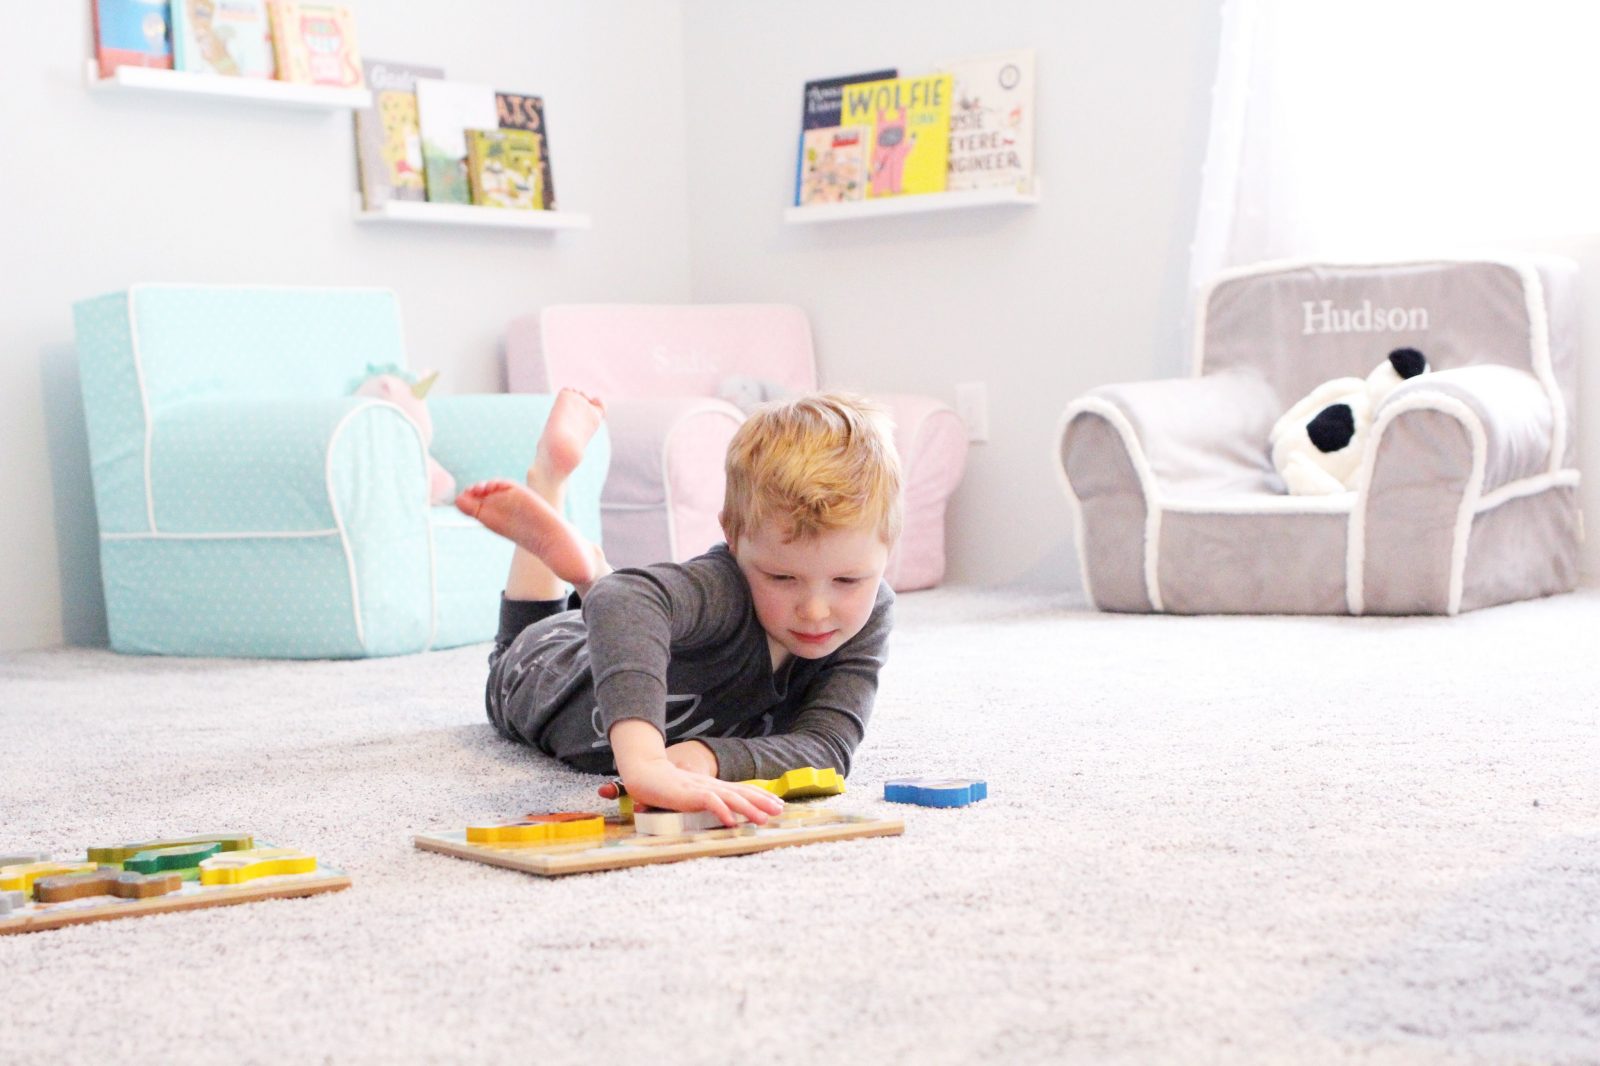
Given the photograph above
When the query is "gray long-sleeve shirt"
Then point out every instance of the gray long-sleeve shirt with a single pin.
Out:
(679, 646)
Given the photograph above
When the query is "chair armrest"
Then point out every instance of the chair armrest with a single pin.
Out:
(1181, 436)
(281, 465)
(931, 440)
(1441, 443)
(1503, 412)
(647, 431)
(495, 436)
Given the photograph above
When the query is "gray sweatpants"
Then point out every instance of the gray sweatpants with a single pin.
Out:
(539, 691)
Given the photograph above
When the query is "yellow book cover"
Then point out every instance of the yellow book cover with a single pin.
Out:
(908, 130)
(503, 168)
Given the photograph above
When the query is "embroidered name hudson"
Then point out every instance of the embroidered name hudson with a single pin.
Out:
(1323, 317)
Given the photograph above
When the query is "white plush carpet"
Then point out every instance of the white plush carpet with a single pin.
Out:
(1208, 840)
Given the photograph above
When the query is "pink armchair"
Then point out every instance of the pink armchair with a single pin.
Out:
(661, 369)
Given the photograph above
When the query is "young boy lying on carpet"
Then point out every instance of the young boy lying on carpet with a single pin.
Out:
(757, 657)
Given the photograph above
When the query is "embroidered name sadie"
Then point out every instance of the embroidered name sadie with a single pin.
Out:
(1323, 317)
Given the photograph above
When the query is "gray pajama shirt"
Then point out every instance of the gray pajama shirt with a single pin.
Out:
(679, 646)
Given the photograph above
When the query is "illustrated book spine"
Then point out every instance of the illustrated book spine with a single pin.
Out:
(908, 125)
(991, 121)
(228, 37)
(132, 33)
(389, 134)
(522, 111)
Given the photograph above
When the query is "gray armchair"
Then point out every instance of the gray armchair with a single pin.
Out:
(1468, 492)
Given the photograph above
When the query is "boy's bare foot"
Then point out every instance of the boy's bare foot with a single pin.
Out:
(572, 422)
(519, 514)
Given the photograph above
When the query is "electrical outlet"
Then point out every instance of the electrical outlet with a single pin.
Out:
(972, 405)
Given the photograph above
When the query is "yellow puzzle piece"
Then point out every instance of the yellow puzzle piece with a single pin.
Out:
(20, 878)
(804, 782)
(540, 829)
(237, 867)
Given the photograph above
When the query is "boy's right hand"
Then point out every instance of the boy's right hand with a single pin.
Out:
(660, 783)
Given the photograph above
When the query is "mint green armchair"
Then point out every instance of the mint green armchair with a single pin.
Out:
(249, 505)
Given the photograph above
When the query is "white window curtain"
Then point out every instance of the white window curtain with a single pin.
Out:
(1388, 128)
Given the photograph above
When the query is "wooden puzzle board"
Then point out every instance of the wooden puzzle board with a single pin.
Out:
(33, 917)
(622, 847)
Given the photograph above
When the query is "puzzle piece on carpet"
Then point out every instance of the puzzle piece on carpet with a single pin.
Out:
(667, 823)
(935, 791)
(623, 845)
(20, 878)
(237, 867)
(804, 782)
(185, 859)
(546, 828)
(23, 857)
(106, 881)
(40, 895)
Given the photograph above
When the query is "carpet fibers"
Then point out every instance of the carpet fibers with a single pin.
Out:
(1207, 840)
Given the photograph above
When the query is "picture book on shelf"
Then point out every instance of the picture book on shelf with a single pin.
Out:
(446, 110)
(991, 120)
(521, 111)
(389, 135)
(231, 37)
(315, 44)
(503, 168)
(908, 132)
(820, 110)
(833, 165)
(131, 33)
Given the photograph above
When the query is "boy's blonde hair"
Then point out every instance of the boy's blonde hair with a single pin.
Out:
(817, 463)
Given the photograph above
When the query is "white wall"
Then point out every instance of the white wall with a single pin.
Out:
(1040, 303)
(99, 192)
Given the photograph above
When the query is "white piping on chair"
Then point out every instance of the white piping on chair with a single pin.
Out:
(1528, 486)
(1543, 369)
(262, 534)
(1076, 504)
(1147, 485)
(338, 519)
(144, 406)
(1334, 503)
(1355, 549)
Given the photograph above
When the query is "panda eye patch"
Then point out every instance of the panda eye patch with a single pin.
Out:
(1332, 428)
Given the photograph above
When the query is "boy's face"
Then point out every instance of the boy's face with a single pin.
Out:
(812, 594)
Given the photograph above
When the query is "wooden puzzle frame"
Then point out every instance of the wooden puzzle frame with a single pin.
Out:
(192, 894)
(623, 848)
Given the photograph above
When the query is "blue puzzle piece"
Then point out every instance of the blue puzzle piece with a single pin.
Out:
(935, 791)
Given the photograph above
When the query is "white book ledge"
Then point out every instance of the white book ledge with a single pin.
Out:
(915, 204)
(218, 86)
(470, 215)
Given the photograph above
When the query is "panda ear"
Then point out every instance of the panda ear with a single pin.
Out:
(1407, 362)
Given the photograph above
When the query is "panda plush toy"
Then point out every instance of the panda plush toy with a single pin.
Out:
(1318, 444)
